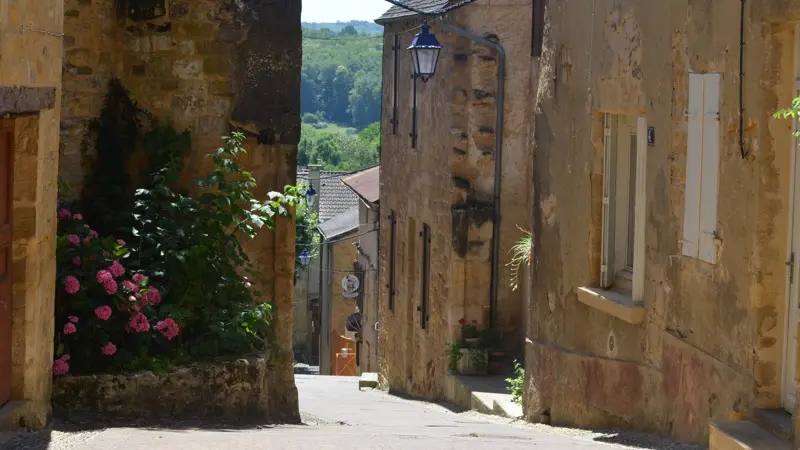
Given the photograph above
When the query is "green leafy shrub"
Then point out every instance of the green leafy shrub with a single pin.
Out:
(516, 384)
(188, 243)
(192, 243)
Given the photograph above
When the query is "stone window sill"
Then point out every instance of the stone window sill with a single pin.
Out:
(616, 304)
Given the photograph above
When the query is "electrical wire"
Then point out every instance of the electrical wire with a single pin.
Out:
(336, 240)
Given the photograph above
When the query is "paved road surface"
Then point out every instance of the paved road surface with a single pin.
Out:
(338, 416)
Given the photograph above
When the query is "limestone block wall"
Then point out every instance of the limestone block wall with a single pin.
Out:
(30, 49)
(447, 183)
(343, 255)
(210, 66)
(711, 343)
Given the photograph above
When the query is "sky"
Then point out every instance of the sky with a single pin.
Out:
(343, 10)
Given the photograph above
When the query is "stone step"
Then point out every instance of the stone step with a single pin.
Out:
(743, 435)
(776, 421)
(368, 380)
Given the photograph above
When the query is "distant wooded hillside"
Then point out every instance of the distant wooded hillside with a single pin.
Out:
(341, 79)
(360, 26)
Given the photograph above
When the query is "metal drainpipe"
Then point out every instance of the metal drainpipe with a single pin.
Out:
(498, 162)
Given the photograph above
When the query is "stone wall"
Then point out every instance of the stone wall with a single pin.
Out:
(711, 343)
(30, 49)
(343, 254)
(210, 66)
(447, 183)
(242, 390)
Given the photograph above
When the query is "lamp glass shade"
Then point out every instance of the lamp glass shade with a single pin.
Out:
(305, 257)
(425, 49)
(311, 196)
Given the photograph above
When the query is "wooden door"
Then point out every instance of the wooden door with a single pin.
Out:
(6, 196)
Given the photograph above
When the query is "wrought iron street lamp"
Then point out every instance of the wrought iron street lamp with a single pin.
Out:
(424, 51)
(305, 258)
(311, 196)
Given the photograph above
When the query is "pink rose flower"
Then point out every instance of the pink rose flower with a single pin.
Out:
(77, 216)
(109, 349)
(64, 213)
(92, 234)
(60, 366)
(139, 323)
(70, 328)
(103, 276)
(116, 269)
(111, 287)
(73, 319)
(153, 296)
(103, 312)
(74, 239)
(76, 260)
(138, 278)
(71, 284)
(129, 286)
(121, 242)
(168, 327)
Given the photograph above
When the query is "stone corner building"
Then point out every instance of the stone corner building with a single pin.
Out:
(439, 220)
(665, 281)
(207, 65)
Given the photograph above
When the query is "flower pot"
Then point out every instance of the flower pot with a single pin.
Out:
(473, 361)
(472, 342)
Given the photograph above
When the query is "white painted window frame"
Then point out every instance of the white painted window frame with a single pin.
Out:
(617, 179)
(702, 167)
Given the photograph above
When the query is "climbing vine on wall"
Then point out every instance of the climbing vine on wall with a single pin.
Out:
(111, 139)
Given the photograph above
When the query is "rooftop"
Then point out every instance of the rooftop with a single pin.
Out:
(333, 196)
(397, 12)
(340, 224)
(366, 184)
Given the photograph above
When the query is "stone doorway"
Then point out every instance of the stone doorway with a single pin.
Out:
(6, 198)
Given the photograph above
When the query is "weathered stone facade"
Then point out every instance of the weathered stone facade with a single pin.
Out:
(337, 262)
(30, 82)
(447, 183)
(241, 389)
(208, 65)
(710, 343)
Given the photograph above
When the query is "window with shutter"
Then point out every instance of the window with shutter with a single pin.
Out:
(702, 167)
(624, 165)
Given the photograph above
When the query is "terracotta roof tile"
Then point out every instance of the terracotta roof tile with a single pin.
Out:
(367, 184)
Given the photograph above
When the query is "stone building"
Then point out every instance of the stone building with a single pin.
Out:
(444, 162)
(338, 296)
(664, 287)
(208, 65)
(366, 184)
(30, 85)
(333, 198)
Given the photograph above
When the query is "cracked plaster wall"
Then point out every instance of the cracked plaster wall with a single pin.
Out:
(711, 343)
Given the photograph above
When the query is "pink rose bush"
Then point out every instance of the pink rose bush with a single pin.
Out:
(100, 307)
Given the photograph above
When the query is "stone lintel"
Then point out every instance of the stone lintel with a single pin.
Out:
(617, 304)
(26, 100)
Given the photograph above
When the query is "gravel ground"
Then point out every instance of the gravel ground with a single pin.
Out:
(335, 414)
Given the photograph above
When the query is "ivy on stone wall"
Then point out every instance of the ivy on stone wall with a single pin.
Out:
(107, 191)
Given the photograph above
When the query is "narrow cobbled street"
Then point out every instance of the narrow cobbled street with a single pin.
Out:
(337, 415)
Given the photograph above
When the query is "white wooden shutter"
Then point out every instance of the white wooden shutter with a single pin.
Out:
(710, 168)
(640, 211)
(694, 150)
(607, 246)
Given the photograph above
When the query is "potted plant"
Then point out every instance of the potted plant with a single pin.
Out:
(469, 355)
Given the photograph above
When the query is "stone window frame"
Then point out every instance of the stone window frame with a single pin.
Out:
(620, 291)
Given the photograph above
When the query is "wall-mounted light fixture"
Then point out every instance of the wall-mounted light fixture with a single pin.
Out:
(425, 49)
(311, 196)
(305, 258)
